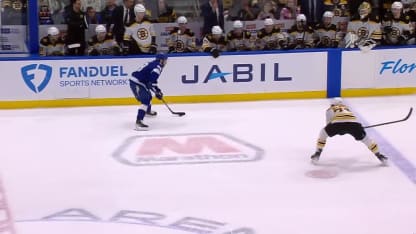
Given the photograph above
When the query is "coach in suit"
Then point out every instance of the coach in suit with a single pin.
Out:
(213, 13)
(122, 16)
(313, 10)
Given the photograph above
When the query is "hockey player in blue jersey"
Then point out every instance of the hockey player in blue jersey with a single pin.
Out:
(142, 82)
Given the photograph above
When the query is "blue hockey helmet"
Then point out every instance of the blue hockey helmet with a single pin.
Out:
(161, 56)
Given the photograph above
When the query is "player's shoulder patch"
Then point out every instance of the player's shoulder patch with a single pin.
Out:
(374, 19)
(209, 37)
(60, 41)
(134, 24)
(44, 41)
(109, 36)
(261, 33)
(223, 40)
(174, 30)
(276, 30)
(355, 18)
(146, 20)
(292, 29)
(189, 32)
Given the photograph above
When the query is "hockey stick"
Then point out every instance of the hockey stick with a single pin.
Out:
(171, 111)
(401, 120)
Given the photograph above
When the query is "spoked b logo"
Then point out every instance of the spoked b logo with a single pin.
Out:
(32, 75)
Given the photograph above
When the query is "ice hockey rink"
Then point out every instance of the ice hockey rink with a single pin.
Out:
(223, 168)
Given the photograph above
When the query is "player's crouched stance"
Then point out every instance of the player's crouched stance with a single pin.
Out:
(143, 81)
(340, 120)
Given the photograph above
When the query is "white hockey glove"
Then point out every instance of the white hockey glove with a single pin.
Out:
(350, 40)
(367, 45)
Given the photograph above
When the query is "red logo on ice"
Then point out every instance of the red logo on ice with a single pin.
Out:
(192, 145)
(185, 149)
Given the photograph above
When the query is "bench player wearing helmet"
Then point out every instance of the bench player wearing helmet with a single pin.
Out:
(52, 44)
(364, 29)
(102, 43)
(181, 39)
(214, 42)
(140, 36)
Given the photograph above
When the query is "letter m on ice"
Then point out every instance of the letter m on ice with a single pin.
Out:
(184, 145)
(189, 148)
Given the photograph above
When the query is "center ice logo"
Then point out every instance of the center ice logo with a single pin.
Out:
(29, 75)
(185, 149)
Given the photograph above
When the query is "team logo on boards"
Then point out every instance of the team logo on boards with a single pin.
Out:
(36, 76)
(185, 149)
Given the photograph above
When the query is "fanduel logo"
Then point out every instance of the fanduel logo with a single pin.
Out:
(240, 73)
(30, 74)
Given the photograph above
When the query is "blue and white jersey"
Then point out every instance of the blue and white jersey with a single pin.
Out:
(147, 74)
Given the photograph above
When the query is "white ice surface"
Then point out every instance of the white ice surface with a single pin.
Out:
(53, 160)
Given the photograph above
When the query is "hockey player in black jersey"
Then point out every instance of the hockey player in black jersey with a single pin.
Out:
(239, 39)
(102, 43)
(181, 39)
(214, 42)
(326, 32)
(52, 44)
(301, 34)
(396, 26)
(140, 36)
(340, 121)
(364, 30)
(270, 37)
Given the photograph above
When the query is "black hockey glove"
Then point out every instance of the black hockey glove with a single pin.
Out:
(116, 50)
(125, 48)
(320, 45)
(159, 94)
(388, 29)
(155, 88)
(94, 52)
(215, 52)
(403, 39)
(106, 51)
(153, 49)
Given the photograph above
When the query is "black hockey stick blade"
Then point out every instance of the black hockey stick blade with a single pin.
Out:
(171, 111)
(392, 122)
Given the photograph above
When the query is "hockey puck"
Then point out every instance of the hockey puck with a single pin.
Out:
(322, 174)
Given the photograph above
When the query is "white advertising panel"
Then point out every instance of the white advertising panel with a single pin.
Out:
(182, 76)
(391, 68)
(255, 73)
(13, 38)
(57, 79)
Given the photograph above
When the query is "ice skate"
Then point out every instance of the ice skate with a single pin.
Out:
(140, 126)
(383, 159)
(315, 156)
(151, 113)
